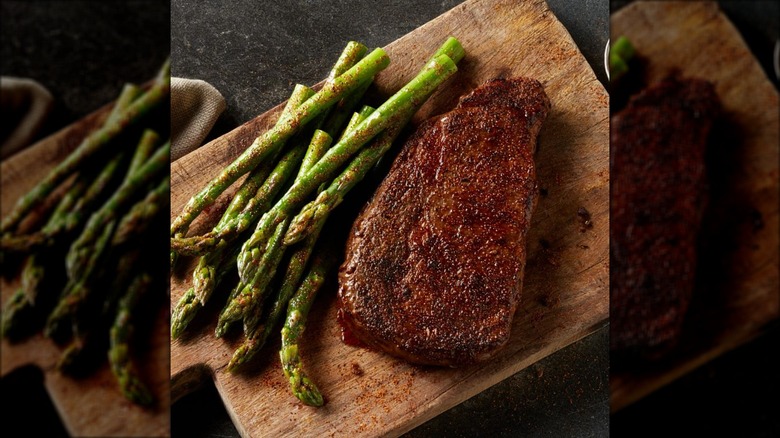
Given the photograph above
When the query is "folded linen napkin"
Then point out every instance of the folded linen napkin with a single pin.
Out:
(195, 107)
(25, 104)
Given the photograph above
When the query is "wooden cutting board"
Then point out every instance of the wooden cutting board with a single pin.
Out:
(740, 292)
(566, 294)
(94, 405)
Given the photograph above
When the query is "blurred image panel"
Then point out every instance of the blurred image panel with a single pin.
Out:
(694, 300)
(85, 197)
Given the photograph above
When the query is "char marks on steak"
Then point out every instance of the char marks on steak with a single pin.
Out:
(435, 261)
(659, 192)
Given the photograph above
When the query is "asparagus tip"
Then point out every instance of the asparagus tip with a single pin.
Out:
(222, 328)
(239, 357)
(135, 391)
(306, 391)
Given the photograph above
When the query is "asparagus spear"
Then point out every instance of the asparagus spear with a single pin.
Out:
(138, 219)
(297, 313)
(184, 312)
(129, 93)
(333, 121)
(245, 199)
(389, 113)
(79, 196)
(77, 202)
(269, 142)
(79, 253)
(212, 267)
(78, 289)
(452, 48)
(83, 257)
(313, 213)
(353, 52)
(317, 149)
(121, 333)
(15, 313)
(357, 118)
(251, 294)
(70, 221)
(18, 308)
(204, 270)
(620, 54)
(320, 142)
(25, 243)
(240, 222)
(257, 333)
(191, 302)
(89, 147)
(205, 276)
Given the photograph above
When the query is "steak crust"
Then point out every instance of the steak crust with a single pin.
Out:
(658, 192)
(435, 260)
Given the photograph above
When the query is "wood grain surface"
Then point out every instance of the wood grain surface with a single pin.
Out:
(92, 405)
(737, 293)
(566, 292)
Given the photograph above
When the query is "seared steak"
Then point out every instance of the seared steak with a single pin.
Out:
(434, 263)
(659, 191)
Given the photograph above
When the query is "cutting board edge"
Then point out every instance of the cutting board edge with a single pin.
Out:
(687, 367)
(451, 399)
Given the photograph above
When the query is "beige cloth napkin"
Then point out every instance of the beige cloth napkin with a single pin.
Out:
(195, 107)
(25, 103)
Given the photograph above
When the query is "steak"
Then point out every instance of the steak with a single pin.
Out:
(435, 260)
(659, 192)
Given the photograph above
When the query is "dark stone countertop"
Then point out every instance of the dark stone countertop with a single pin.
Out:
(82, 51)
(253, 52)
